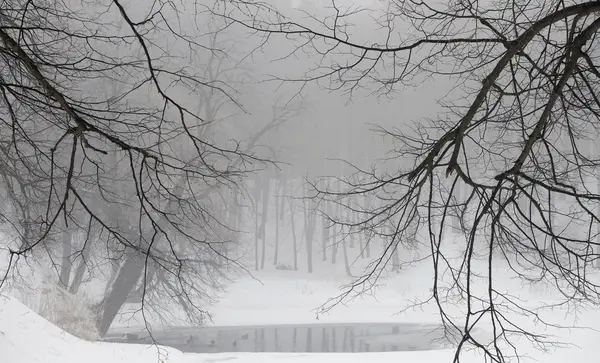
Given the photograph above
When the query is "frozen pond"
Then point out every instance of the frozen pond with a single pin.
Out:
(296, 338)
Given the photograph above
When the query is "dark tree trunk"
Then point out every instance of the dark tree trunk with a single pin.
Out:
(597, 248)
(127, 278)
(548, 241)
(145, 285)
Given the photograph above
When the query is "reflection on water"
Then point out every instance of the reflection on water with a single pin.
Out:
(297, 338)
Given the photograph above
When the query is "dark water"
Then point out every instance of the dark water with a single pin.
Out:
(296, 338)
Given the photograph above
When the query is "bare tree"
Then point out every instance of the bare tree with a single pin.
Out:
(77, 155)
(514, 137)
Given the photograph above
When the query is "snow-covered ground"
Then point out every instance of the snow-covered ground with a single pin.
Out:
(279, 297)
(25, 337)
(289, 297)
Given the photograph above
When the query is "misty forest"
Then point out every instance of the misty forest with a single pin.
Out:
(391, 180)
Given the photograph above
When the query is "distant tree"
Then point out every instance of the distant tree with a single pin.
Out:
(293, 227)
(279, 213)
(514, 138)
(310, 221)
(265, 194)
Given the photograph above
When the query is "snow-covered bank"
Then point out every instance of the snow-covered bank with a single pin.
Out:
(288, 297)
(26, 337)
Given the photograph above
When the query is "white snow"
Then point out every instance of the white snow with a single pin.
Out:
(288, 297)
(27, 338)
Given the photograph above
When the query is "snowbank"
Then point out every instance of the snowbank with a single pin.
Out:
(26, 337)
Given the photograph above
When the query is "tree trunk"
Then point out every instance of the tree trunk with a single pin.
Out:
(395, 260)
(351, 239)
(550, 223)
(597, 260)
(256, 224)
(456, 223)
(265, 215)
(325, 235)
(346, 263)
(309, 257)
(127, 278)
(361, 244)
(115, 266)
(278, 217)
(234, 214)
(334, 245)
(309, 228)
(369, 203)
(351, 214)
(293, 222)
(239, 197)
(334, 251)
(395, 252)
(144, 286)
(65, 265)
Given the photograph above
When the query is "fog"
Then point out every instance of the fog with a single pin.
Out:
(189, 173)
